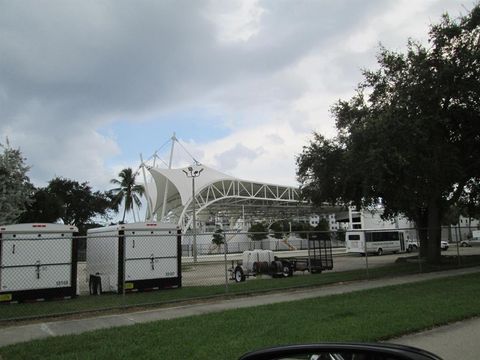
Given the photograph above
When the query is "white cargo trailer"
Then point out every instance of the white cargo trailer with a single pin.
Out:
(37, 261)
(144, 256)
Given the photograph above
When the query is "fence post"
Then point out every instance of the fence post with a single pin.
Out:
(124, 269)
(225, 251)
(309, 260)
(366, 253)
(458, 248)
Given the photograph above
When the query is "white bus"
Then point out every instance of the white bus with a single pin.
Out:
(375, 241)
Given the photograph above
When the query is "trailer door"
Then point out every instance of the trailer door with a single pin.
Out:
(151, 254)
(36, 261)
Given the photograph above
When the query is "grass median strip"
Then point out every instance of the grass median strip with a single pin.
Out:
(113, 301)
(370, 315)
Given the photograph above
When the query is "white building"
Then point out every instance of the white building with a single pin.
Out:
(461, 231)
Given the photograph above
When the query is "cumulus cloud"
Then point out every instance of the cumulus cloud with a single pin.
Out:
(230, 158)
(268, 70)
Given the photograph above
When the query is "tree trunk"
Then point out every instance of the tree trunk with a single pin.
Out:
(422, 225)
(434, 232)
(124, 212)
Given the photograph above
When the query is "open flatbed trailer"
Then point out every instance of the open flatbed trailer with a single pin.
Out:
(258, 262)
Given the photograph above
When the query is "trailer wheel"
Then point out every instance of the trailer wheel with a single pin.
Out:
(287, 270)
(380, 252)
(276, 269)
(95, 285)
(264, 267)
(239, 275)
(91, 287)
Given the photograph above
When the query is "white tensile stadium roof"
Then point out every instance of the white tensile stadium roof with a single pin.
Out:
(212, 188)
(180, 184)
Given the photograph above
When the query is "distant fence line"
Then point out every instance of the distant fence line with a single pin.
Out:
(239, 241)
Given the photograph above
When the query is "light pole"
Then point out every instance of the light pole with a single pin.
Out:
(192, 173)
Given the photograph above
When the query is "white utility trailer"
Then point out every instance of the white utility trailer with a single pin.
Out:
(255, 262)
(37, 262)
(143, 256)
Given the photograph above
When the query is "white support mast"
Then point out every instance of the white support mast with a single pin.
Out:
(165, 193)
(149, 204)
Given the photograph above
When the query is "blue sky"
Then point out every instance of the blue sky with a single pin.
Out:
(86, 86)
(149, 135)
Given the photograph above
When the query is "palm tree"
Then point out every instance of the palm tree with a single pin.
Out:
(127, 191)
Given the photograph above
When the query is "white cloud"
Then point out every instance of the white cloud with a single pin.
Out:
(235, 20)
(80, 156)
(264, 153)
(269, 70)
(230, 158)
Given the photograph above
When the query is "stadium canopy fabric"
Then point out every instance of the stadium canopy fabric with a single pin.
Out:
(216, 191)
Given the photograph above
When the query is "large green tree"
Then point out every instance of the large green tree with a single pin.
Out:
(72, 202)
(80, 203)
(410, 136)
(127, 191)
(44, 207)
(15, 186)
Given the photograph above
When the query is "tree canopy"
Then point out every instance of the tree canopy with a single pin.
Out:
(258, 231)
(218, 237)
(410, 136)
(280, 228)
(72, 202)
(127, 191)
(15, 186)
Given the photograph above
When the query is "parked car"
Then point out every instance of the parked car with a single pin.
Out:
(465, 243)
(412, 246)
(341, 351)
(444, 245)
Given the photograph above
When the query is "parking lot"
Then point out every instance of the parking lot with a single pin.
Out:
(206, 272)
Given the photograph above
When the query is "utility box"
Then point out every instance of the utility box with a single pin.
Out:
(37, 262)
(143, 256)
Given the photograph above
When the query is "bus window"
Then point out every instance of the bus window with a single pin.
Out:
(378, 236)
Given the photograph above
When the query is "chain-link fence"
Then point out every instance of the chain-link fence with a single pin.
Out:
(140, 267)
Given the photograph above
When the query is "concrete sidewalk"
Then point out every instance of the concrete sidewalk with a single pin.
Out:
(451, 342)
(16, 334)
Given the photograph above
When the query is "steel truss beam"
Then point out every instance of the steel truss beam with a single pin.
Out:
(241, 192)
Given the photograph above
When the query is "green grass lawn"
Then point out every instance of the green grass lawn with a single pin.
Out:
(370, 315)
(156, 298)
